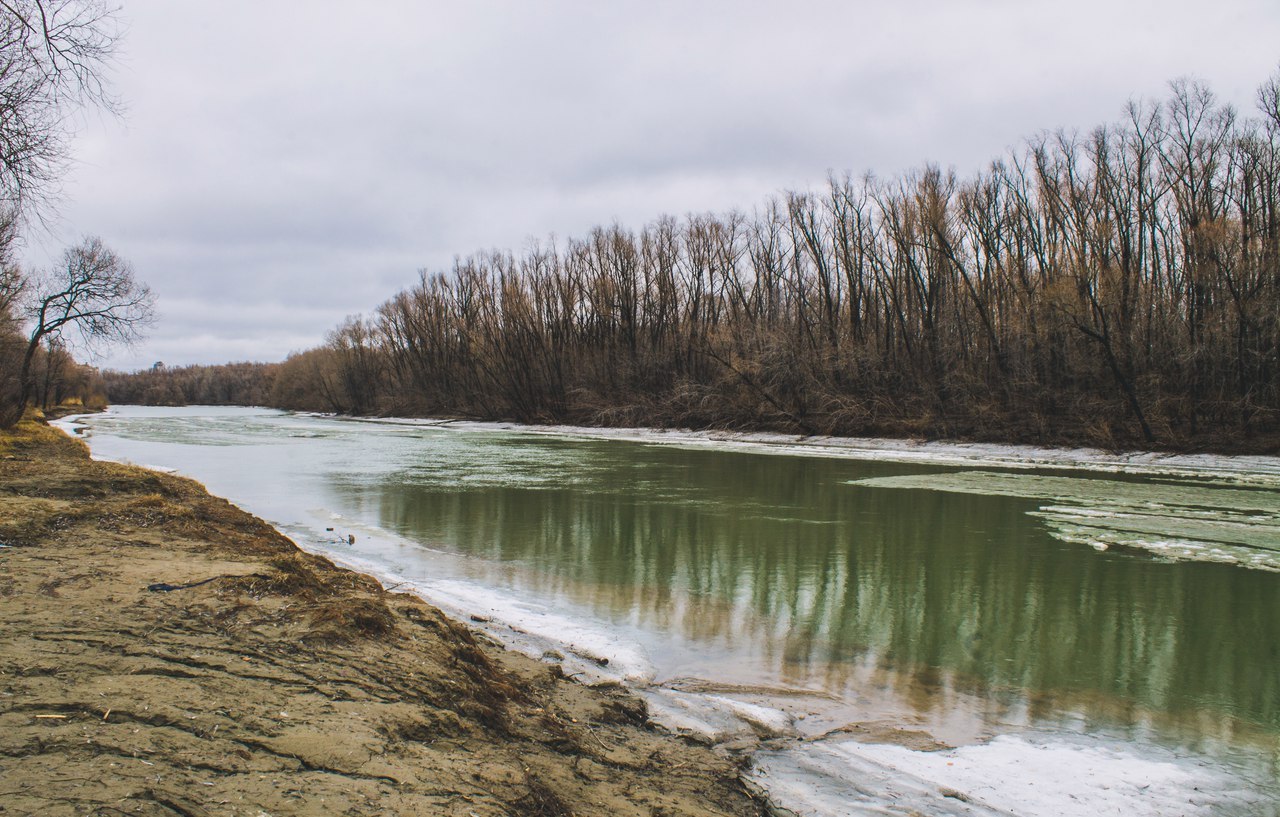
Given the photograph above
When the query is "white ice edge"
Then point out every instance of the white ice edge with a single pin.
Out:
(585, 649)
(1009, 775)
(1242, 469)
(72, 426)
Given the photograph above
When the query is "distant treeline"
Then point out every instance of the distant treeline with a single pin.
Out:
(1116, 288)
(230, 384)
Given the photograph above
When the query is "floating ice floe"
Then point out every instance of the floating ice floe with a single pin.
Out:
(1191, 520)
(1262, 470)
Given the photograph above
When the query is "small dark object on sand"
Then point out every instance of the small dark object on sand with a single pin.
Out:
(161, 587)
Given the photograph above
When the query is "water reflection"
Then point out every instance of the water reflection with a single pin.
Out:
(780, 568)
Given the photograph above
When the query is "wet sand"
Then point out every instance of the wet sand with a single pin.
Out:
(166, 653)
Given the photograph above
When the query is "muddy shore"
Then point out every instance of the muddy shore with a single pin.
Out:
(168, 654)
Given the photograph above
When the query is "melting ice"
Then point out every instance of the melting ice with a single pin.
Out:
(1207, 520)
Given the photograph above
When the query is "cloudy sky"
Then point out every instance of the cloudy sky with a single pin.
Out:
(283, 164)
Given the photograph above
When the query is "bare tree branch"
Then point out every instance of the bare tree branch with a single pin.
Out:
(92, 298)
(53, 60)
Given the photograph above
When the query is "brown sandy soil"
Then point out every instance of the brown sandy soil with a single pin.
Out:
(280, 685)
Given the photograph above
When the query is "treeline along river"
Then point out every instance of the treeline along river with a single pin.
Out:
(1118, 287)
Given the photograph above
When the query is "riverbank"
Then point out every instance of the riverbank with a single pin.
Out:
(167, 653)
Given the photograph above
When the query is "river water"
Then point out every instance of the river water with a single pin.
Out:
(890, 628)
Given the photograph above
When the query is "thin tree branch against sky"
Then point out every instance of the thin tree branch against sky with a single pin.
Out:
(282, 165)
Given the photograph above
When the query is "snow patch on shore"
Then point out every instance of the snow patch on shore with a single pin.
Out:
(715, 719)
(1010, 775)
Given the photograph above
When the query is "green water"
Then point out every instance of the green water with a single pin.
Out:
(783, 566)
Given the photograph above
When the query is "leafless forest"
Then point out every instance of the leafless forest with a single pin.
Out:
(1116, 288)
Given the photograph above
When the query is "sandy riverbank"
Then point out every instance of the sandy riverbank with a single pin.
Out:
(166, 653)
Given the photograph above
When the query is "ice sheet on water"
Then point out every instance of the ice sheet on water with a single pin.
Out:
(1204, 499)
(1259, 470)
(1204, 521)
(1010, 775)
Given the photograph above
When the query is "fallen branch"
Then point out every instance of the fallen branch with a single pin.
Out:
(161, 587)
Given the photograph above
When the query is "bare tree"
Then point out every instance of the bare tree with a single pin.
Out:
(53, 58)
(92, 298)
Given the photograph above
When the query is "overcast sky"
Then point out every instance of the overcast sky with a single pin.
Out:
(281, 165)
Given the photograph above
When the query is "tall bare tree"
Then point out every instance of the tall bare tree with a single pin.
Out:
(53, 62)
(54, 56)
(92, 298)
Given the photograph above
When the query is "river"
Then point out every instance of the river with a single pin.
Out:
(890, 628)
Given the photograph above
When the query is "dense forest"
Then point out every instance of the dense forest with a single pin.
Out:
(1118, 288)
(230, 384)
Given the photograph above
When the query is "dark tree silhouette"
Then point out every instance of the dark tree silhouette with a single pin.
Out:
(92, 298)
